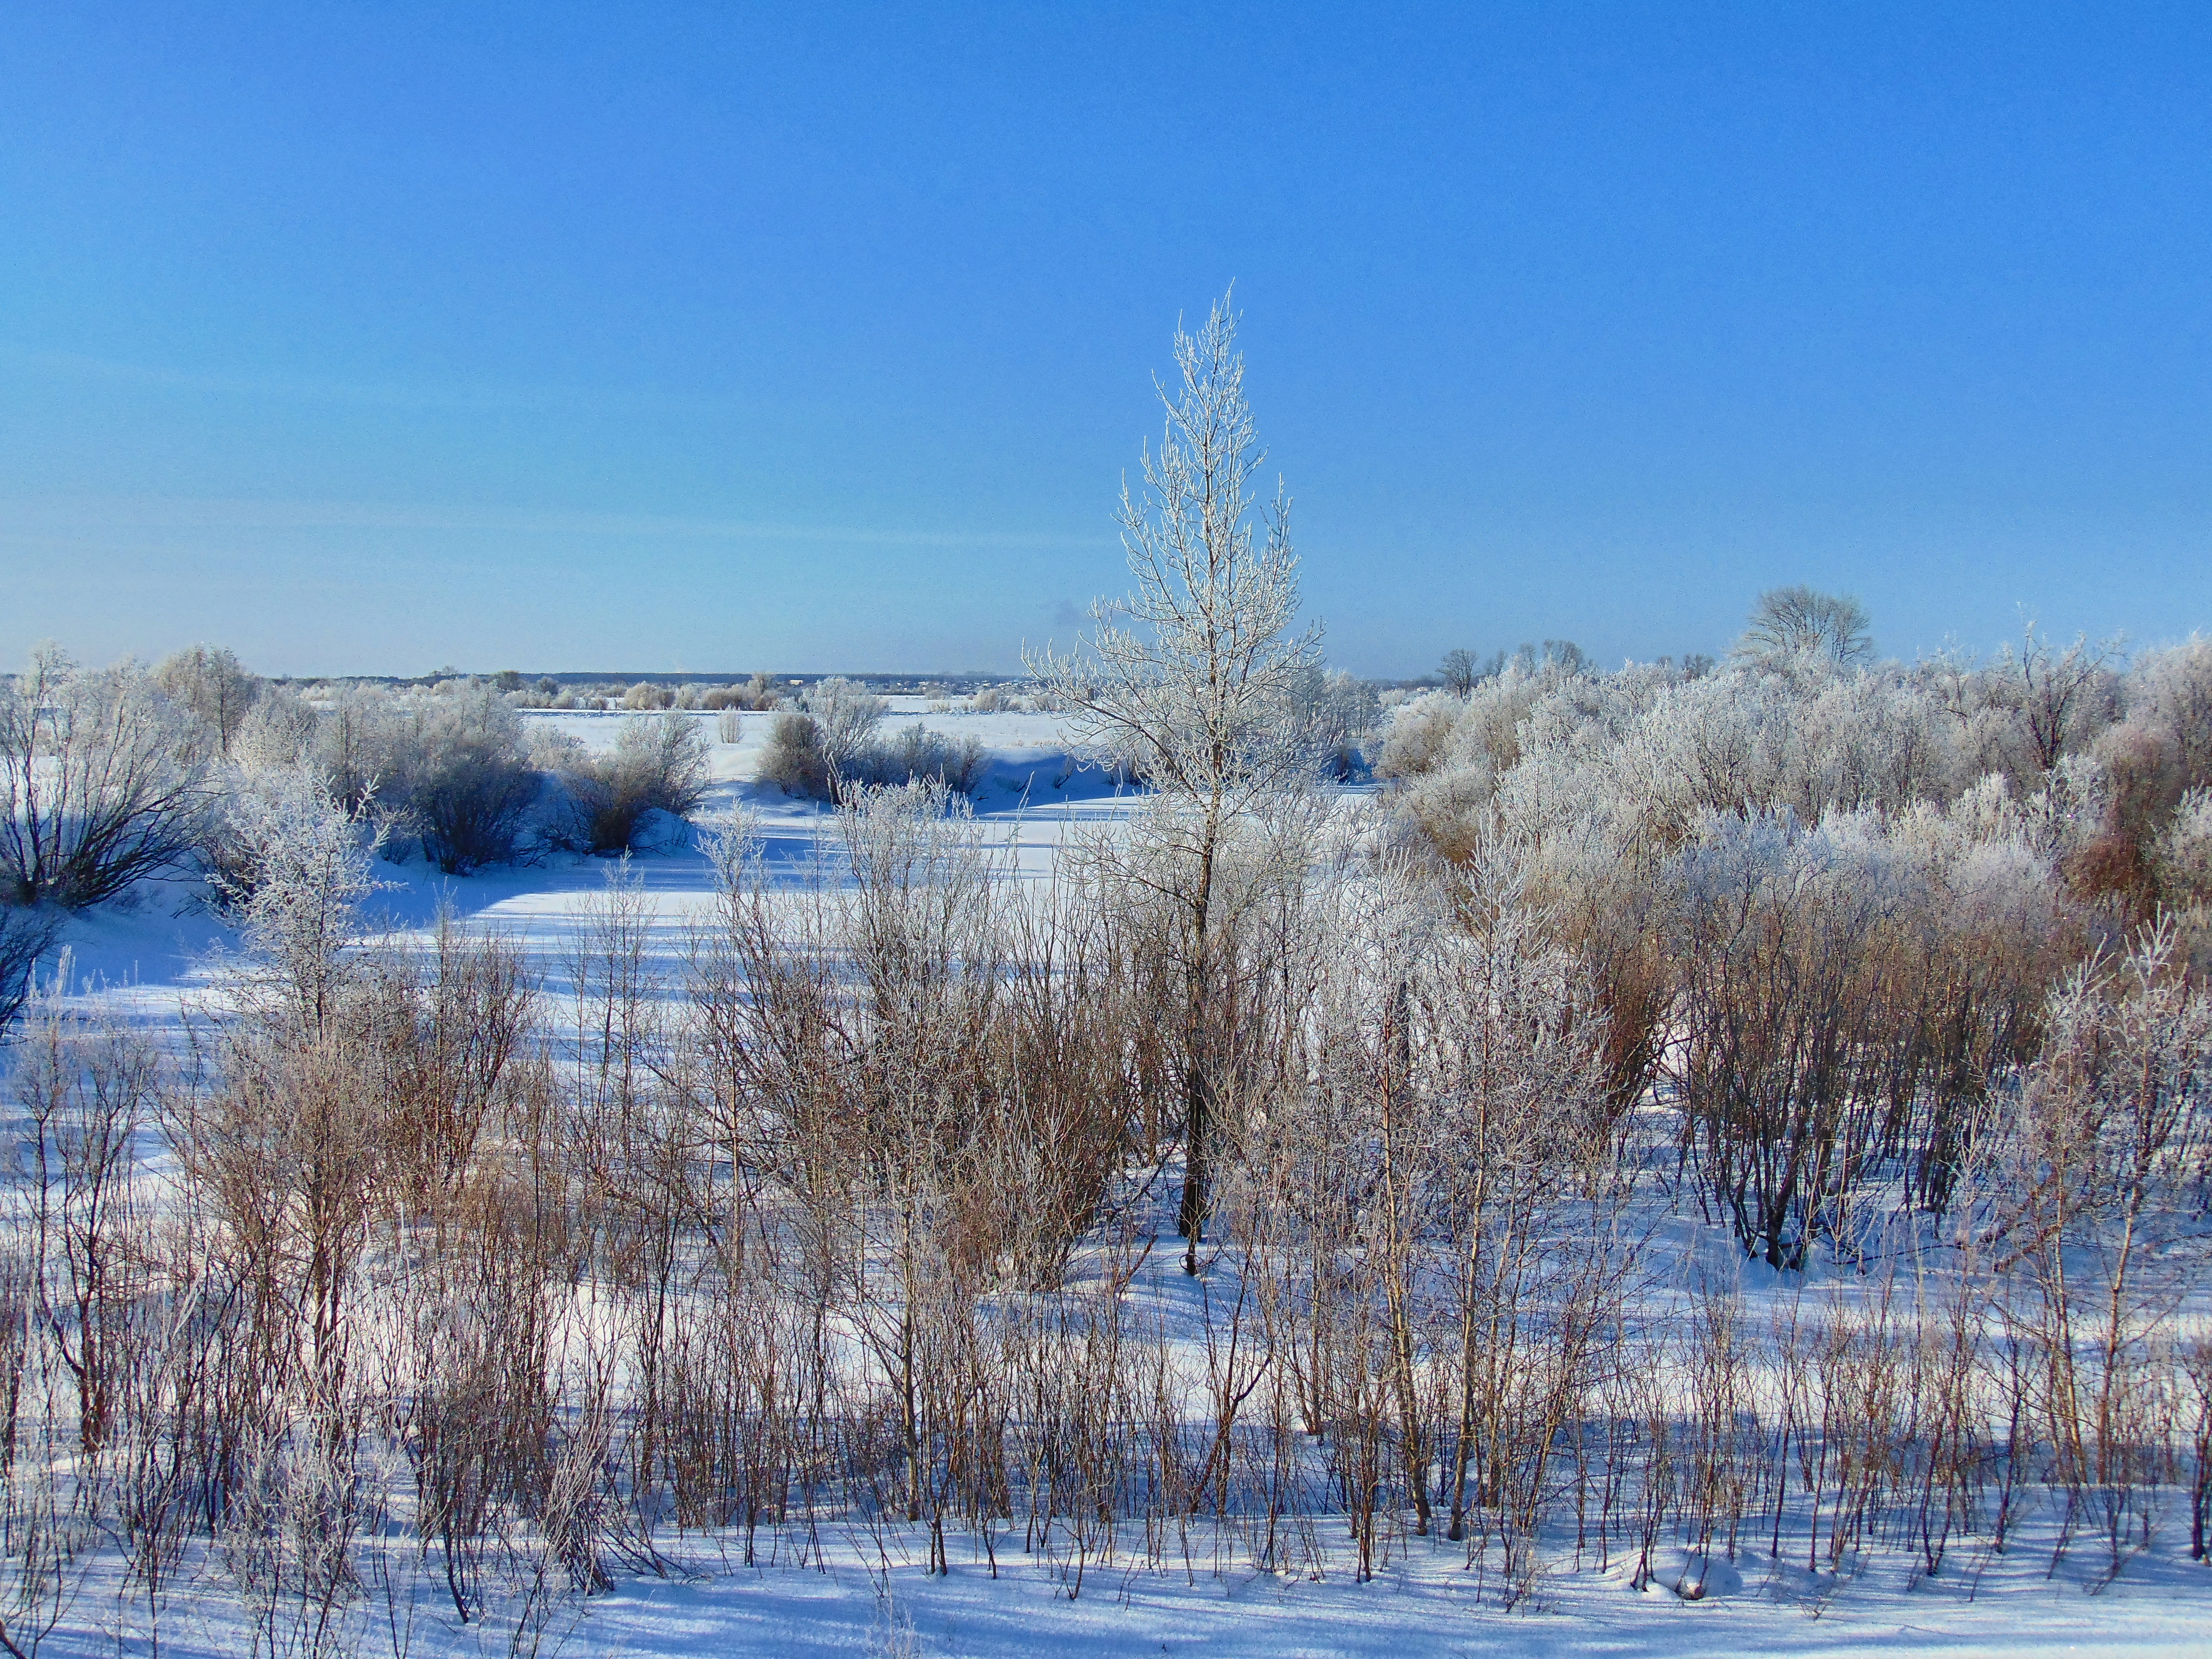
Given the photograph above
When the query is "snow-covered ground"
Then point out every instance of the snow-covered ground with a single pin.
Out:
(154, 954)
(1427, 1606)
(851, 1588)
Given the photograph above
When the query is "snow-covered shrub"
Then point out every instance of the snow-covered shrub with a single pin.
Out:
(827, 745)
(449, 772)
(796, 759)
(103, 780)
(362, 746)
(445, 770)
(1414, 741)
(470, 787)
(299, 865)
(281, 729)
(917, 754)
(754, 695)
(1453, 751)
(800, 761)
(1338, 713)
(657, 765)
(846, 714)
(2182, 855)
(2170, 691)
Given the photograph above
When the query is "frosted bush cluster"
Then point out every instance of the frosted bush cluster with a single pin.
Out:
(827, 744)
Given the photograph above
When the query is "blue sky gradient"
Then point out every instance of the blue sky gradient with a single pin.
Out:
(372, 339)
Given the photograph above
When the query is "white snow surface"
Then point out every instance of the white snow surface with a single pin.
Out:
(860, 1589)
(153, 953)
(1428, 1607)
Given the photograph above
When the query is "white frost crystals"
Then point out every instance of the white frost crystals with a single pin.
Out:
(1193, 681)
(301, 868)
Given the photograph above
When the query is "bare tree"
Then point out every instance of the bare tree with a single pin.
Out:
(2057, 693)
(1793, 621)
(215, 685)
(1190, 680)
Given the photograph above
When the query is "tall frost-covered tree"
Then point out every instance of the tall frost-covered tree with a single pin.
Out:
(1191, 680)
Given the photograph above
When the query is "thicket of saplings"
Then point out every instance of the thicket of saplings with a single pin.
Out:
(462, 1291)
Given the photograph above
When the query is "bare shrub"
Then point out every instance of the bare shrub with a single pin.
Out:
(100, 785)
(797, 758)
(469, 786)
(26, 936)
(1780, 926)
(2110, 1156)
(657, 765)
(85, 1087)
(459, 1053)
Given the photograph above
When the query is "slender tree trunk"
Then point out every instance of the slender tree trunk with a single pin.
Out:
(1198, 1082)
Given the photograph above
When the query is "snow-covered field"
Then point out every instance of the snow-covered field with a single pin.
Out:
(849, 1587)
(1427, 1606)
(151, 956)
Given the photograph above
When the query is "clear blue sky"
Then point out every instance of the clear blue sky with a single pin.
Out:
(377, 337)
